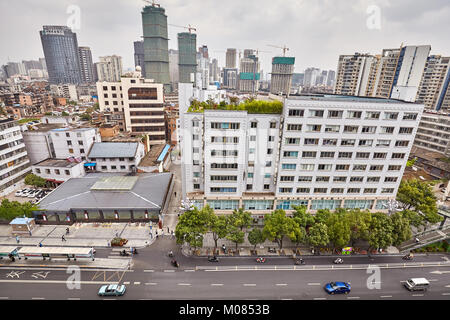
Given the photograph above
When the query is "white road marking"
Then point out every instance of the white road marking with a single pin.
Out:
(281, 284)
(126, 282)
(320, 298)
(59, 281)
(189, 270)
(446, 294)
(3, 298)
(249, 284)
(145, 299)
(352, 297)
(169, 270)
(314, 284)
(37, 298)
(287, 299)
(184, 284)
(417, 295)
(137, 282)
(73, 298)
(149, 270)
(217, 284)
(385, 296)
(151, 284)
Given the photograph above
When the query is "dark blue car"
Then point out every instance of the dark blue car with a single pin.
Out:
(337, 287)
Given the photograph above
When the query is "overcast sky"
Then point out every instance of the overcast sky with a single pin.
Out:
(316, 31)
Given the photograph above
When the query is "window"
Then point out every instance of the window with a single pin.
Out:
(404, 130)
(324, 167)
(223, 178)
(288, 166)
(285, 190)
(194, 150)
(305, 179)
(267, 176)
(398, 156)
(196, 186)
(122, 167)
(390, 179)
(292, 140)
(290, 154)
(373, 179)
(38, 170)
(105, 88)
(70, 150)
(368, 129)
(195, 123)
(327, 154)
(379, 155)
(223, 190)
(294, 127)
(57, 171)
(342, 167)
(356, 179)
(271, 138)
(67, 172)
(123, 159)
(313, 128)
(390, 115)
(251, 150)
(410, 116)
(113, 167)
(195, 162)
(337, 190)
(269, 151)
(347, 155)
(339, 179)
(306, 167)
(329, 142)
(296, 112)
(273, 125)
(105, 95)
(354, 114)
(365, 143)
(224, 165)
(249, 187)
(253, 124)
(287, 178)
(320, 190)
(376, 168)
(316, 113)
(394, 167)
(362, 155)
(104, 167)
(383, 143)
(267, 187)
(251, 164)
(309, 154)
(401, 143)
(371, 115)
(268, 163)
(252, 138)
(350, 129)
(335, 114)
(323, 179)
(370, 190)
(387, 130)
(353, 190)
(47, 171)
(303, 190)
(196, 174)
(224, 153)
(309, 141)
(330, 128)
(225, 125)
(387, 190)
(359, 167)
(195, 137)
(69, 143)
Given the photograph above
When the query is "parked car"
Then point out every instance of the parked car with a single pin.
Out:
(27, 192)
(337, 287)
(112, 290)
(18, 193)
(40, 194)
(33, 193)
(22, 193)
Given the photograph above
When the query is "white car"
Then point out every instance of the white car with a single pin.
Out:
(32, 194)
(18, 193)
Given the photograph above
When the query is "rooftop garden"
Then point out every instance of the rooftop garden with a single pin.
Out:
(250, 105)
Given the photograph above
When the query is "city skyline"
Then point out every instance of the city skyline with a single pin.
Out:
(328, 30)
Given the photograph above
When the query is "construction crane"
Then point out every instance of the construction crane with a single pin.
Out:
(258, 51)
(188, 27)
(153, 3)
(283, 48)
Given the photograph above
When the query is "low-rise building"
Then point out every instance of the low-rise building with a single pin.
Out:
(157, 160)
(57, 171)
(115, 156)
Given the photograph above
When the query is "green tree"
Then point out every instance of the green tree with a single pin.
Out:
(297, 234)
(414, 218)
(318, 235)
(277, 225)
(191, 227)
(217, 225)
(64, 114)
(255, 237)
(240, 218)
(13, 209)
(305, 219)
(322, 215)
(338, 229)
(401, 229)
(380, 235)
(359, 223)
(34, 180)
(85, 117)
(234, 234)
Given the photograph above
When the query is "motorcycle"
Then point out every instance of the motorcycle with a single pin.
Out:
(124, 253)
(338, 261)
(261, 260)
(299, 261)
(272, 250)
(408, 257)
(213, 259)
(170, 254)
(175, 263)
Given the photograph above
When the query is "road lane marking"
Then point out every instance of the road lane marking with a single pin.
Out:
(281, 284)
(137, 282)
(217, 284)
(385, 296)
(73, 298)
(169, 270)
(352, 297)
(249, 284)
(320, 298)
(417, 295)
(314, 284)
(37, 298)
(3, 298)
(184, 284)
(189, 270)
(287, 299)
(446, 294)
(126, 282)
(150, 283)
(59, 281)
(149, 270)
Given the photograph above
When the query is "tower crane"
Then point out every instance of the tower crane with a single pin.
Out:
(284, 48)
(152, 3)
(189, 27)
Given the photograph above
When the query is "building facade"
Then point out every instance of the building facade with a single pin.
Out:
(86, 65)
(14, 162)
(281, 79)
(230, 59)
(323, 152)
(249, 74)
(433, 133)
(187, 61)
(139, 55)
(116, 156)
(109, 68)
(62, 59)
(355, 74)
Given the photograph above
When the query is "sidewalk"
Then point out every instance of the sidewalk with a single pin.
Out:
(98, 263)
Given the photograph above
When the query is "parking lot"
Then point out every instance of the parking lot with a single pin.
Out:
(14, 196)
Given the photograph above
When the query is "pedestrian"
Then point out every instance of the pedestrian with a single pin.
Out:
(29, 232)
(17, 239)
(156, 234)
(63, 238)
(175, 193)
(172, 234)
(151, 235)
(167, 229)
(40, 244)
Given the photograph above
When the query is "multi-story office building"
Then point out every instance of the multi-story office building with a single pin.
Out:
(86, 65)
(109, 68)
(187, 56)
(310, 76)
(14, 162)
(139, 55)
(355, 74)
(281, 79)
(141, 102)
(230, 62)
(324, 152)
(433, 85)
(60, 47)
(249, 74)
(156, 56)
(230, 78)
(433, 133)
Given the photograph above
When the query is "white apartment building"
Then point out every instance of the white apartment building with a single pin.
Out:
(58, 170)
(324, 152)
(116, 156)
(14, 163)
(73, 142)
(433, 133)
(141, 101)
(109, 68)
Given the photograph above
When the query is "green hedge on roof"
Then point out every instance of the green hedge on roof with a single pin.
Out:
(251, 106)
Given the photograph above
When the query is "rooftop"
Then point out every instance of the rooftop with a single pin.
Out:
(44, 127)
(57, 163)
(113, 150)
(338, 97)
(148, 191)
(156, 154)
(254, 106)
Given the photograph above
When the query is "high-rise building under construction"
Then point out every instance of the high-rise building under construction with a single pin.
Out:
(156, 50)
(187, 56)
(281, 79)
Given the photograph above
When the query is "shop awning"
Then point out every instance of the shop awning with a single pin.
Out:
(90, 164)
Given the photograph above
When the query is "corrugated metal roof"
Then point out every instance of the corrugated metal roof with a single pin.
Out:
(113, 150)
